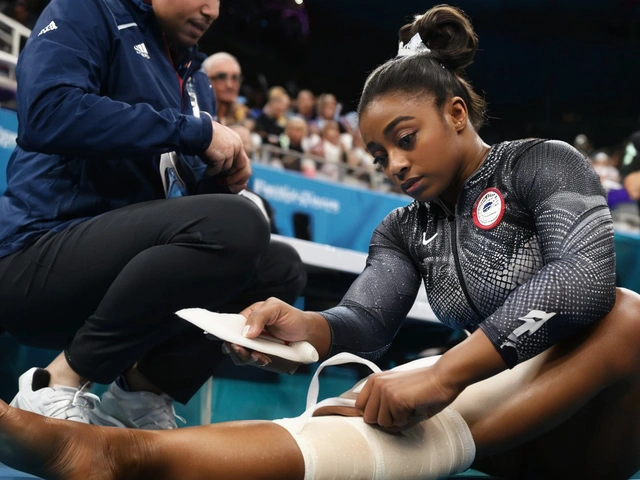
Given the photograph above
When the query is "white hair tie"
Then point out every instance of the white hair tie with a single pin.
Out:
(413, 47)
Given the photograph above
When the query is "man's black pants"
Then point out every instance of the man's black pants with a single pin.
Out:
(105, 290)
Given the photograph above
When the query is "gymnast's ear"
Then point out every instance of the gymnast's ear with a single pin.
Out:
(455, 112)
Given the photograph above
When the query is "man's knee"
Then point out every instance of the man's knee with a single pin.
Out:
(233, 223)
(283, 271)
(295, 273)
(252, 228)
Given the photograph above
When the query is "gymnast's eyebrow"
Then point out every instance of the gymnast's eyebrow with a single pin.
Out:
(389, 128)
(394, 122)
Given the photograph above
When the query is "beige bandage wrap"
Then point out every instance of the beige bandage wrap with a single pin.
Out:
(343, 448)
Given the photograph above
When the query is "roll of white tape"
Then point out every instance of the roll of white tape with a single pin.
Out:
(228, 327)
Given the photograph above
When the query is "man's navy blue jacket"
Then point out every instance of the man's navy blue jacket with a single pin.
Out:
(99, 100)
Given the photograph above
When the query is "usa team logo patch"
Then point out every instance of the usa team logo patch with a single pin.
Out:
(488, 209)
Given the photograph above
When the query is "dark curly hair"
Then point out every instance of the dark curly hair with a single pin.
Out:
(448, 33)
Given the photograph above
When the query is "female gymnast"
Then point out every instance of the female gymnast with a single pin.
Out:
(514, 243)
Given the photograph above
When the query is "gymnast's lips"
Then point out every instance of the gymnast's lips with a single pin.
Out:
(409, 184)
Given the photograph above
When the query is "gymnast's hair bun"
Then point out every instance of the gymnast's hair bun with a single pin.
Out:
(448, 33)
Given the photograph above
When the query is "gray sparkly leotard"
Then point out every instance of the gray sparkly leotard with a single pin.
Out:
(527, 256)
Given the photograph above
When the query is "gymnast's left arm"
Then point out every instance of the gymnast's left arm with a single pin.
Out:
(576, 285)
(574, 288)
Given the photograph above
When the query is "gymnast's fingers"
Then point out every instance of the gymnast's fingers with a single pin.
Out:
(243, 356)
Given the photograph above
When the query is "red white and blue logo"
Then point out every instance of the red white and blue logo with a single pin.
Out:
(488, 209)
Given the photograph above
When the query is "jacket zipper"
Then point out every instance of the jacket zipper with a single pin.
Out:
(456, 261)
(180, 80)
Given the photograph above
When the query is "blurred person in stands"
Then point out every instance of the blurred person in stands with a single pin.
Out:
(19, 10)
(583, 144)
(94, 259)
(245, 135)
(296, 139)
(514, 243)
(225, 74)
(256, 98)
(333, 149)
(328, 109)
(363, 172)
(624, 208)
(297, 134)
(359, 158)
(22, 12)
(630, 167)
(271, 122)
(603, 165)
(305, 105)
(256, 139)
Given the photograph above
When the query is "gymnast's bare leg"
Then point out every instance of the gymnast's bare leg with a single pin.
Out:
(545, 418)
(58, 449)
(572, 412)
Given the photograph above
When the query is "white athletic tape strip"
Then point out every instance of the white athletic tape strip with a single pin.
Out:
(314, 389)
(340, 359)
(229, 326)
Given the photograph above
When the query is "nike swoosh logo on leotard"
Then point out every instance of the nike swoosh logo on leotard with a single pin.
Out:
(426, 241)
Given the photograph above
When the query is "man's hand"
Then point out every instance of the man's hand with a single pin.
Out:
(227, 159)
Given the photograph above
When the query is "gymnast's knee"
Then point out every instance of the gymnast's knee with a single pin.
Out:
(335, 447)
(623, 325)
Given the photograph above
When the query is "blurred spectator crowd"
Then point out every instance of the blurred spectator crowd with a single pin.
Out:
(619, 169)
(301, 131)
(310, 133)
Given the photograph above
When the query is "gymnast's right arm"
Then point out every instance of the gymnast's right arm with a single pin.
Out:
(369, 315)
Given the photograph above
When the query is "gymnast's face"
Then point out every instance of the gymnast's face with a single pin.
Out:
(418, 146)
(185, 21)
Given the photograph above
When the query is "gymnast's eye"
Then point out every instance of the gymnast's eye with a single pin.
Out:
(406, 141)
(379, 159)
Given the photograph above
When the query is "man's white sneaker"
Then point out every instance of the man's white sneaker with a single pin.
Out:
(57, 401)
(142, 410)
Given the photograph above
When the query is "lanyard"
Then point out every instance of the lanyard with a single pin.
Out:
(193, 98)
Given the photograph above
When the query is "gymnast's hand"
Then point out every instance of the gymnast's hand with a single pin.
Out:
(399, 399)
(284, 322)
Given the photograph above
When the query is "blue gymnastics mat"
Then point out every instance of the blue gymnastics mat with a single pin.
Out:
(7, 473)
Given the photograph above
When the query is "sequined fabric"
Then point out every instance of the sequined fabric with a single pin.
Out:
(537, 270)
